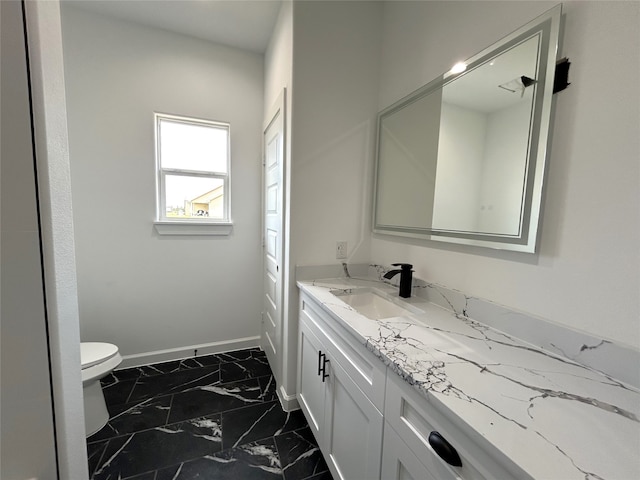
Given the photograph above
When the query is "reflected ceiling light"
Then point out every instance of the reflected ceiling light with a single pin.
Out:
(458, 67)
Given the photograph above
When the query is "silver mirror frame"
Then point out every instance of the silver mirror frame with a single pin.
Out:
(548, 24)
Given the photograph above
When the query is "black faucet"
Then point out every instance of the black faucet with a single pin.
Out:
(406, 274)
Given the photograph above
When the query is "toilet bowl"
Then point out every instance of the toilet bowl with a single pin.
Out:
(98, 360)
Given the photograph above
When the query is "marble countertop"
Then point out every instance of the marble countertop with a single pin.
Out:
(552, 417)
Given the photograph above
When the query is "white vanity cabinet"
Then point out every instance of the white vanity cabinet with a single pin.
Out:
(345, 420)
(311, 390)
(399, 462)
(423, 431)
(371, 424)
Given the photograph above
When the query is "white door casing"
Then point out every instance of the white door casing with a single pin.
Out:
(273, 235)
(46, 66)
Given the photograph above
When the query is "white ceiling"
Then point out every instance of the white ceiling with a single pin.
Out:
(245, 24)
(478, 89)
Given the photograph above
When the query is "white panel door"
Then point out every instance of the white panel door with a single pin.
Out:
(352, 440)
(273, 244)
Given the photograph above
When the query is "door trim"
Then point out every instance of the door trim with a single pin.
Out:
(278, 110)
(44, 38)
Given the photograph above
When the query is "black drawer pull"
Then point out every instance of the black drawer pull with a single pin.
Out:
(444, 449)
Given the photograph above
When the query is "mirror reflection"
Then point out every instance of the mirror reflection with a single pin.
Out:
(482, 145)
(457, 159)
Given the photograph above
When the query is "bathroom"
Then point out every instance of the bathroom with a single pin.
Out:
(340, 63)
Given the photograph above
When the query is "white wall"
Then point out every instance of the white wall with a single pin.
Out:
(586, 273)
(278, 71)
(278, 58)
(142, 291)
(335, 70)
(26, 433)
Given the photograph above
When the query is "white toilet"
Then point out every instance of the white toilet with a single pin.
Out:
(98, 360)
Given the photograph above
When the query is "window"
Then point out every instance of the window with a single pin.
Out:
(192, 158)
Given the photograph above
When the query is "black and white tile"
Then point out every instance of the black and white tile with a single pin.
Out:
(252, 461)
(174, 382)
(134, 417)
(259, 421)
(159, 447)
(208, 417)
(300, 455)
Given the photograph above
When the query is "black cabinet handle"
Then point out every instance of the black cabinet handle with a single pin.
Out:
(444, 449)
(322, 365)
(325, 375)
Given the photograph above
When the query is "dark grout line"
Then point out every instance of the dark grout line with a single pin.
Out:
(279, 456)
(182, 368)
(167, 424)
(169, 411)
(104, 448)
(233, 448)
(160, 395)
(172, 395)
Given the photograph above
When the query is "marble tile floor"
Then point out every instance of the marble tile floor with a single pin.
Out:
(210, 417)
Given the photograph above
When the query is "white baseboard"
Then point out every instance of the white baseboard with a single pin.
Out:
(289, 402)
(158, 356)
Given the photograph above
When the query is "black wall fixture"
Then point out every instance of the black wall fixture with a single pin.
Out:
(561, 80)
(526, 81)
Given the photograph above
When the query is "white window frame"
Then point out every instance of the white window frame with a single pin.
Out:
(191, 226)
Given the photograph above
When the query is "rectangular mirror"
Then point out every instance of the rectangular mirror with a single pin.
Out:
(462, 159)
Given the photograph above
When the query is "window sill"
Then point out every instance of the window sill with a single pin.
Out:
(193, 228)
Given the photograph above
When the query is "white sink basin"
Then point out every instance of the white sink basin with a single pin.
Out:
(373, 305)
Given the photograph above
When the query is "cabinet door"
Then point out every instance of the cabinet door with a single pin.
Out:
(353, 429)
(365, 370)
(311, 389)
(399, 462)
